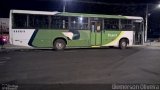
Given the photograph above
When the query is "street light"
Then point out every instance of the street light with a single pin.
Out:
(146, 19)
(65, 2)
(64, 6)
(158, 5)
(146, 24)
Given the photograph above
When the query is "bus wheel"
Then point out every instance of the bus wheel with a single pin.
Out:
(59, 44)
(122, 44)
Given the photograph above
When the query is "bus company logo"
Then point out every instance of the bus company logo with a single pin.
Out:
(112, 35)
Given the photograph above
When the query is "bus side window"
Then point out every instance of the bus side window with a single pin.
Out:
(93, 28)
(111, 24)
(64, 24)
(98, 27)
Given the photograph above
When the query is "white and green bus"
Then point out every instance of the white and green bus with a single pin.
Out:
(60, 30)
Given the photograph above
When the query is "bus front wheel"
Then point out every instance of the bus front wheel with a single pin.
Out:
(59, 44)
(123, 44)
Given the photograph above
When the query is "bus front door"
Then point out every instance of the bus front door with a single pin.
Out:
(96, 34)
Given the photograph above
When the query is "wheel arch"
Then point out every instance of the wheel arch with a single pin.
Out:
(60, 38)
(125, 38)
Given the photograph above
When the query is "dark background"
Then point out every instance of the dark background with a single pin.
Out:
(111, 7)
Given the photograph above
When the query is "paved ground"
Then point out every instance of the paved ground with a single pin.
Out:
(133, 65)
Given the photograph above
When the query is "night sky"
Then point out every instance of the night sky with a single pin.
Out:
(83, 6)
(112, 7)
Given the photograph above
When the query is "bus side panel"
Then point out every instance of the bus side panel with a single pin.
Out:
(44, 37)
(21, 37)
(129, 35)
(116, 36)
(80, 38)
(110, 36)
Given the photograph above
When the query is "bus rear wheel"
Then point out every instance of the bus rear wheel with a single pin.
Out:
(123, 44)
(59, 44)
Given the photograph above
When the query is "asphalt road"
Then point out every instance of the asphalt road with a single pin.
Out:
(81, 66)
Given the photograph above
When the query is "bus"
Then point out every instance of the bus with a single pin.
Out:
(60, 30)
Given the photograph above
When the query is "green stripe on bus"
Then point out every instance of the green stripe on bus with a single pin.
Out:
(92, 15)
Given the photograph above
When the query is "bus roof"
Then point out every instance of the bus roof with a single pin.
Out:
(74, 14)
(100, 15)
(34, 12)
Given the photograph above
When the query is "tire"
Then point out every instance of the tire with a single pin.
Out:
(123, 44)
(59, 44)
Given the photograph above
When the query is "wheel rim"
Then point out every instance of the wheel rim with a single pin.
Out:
(59, 45)
(123, 44)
